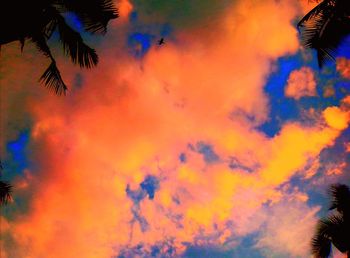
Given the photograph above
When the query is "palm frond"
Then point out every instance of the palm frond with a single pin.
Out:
(313, 13)
(5, 192)
(41, 44)
(94, 14)
(340, 197)
(53, 80)
(312, 36)
(328, 226)
(74, 46)
(321, 242)
(335, 229)
(325, 27)
(22, 41)
(324, 33)
(96, 21)
(51, 77)
(49, 28)
(321, 247)
(324, 55)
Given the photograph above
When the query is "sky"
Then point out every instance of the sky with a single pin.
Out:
(222, 142)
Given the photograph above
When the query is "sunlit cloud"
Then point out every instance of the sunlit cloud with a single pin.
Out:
(288, 230)
(151, 154)
(301, 83)
(343, 67)
(336, 118)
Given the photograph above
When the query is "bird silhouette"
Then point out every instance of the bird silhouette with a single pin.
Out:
(161, 41)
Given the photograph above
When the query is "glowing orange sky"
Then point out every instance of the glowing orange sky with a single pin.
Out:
(132, 118)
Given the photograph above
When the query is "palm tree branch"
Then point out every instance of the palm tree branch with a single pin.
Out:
(74, 46)
(5, 192)
(94, 14)
(321, 243)
(50, 28)
(314, 12)
(53, 80)
(321, 247)
(324, 33)
(340, 198)
(333, 229)
(51, 77)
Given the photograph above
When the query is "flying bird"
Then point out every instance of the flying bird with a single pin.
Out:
(161, 41)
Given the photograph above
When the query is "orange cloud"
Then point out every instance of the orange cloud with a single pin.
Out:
(336, 118)
(133, 118)
(336, 169)
(288, 230)
(301, 83)
(328, 91)
(124, 8)
(343, 67)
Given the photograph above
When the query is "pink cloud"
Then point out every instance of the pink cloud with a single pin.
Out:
(288, 229)
(133, 118)
(301, 83)
(343, 67)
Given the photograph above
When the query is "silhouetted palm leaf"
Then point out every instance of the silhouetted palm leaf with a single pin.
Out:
(52, 76)
(53, 80)
(325, 233)
(94, 14)
(313, 13)
(325, 27)
(5, 192)
(334, 229)
(340, 198)
(316, 35)
(41, 44)
(321, 246)
(49, 28)
(37, 20)
(74, 46)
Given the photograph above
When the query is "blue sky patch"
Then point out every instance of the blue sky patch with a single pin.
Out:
(147, 187)
(150, 185)
(78, 80)
(182, 157)
(208, 152)
(283, 109)
(17, 150)
(235, 163)
(73, 20)
(135, 195)
(344, 48)
(133, 16)
(140, 43)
